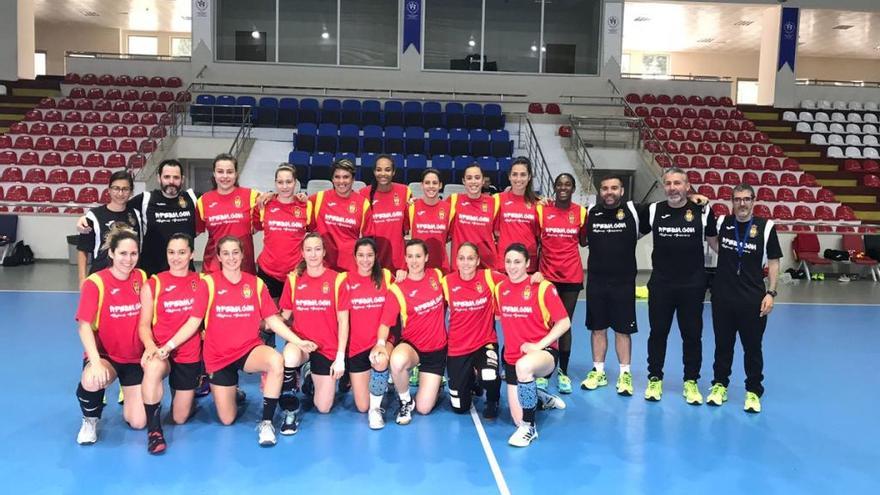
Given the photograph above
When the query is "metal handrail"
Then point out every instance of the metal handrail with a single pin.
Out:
(829, 82)
(582, 152)
(676, 77)
(540, 170)
(172, 122)
(124, 56)
(244, 133)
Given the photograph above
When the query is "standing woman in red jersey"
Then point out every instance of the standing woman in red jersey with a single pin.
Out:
(532, 319)
(367, 289)
(429, 220)
(166, 303)
(387, 218)
(227, 210)
(563, 227)
(340, 216)
(517, 219)
(318, 301)
(232, 303)
(472, 217)
(108, 313)
(473, 344)
(418, 300)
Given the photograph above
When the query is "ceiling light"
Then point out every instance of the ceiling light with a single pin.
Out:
(534, 47)
(743, 23)
(89, 13)
(641, 19)
(842, 27)
(471, 42)
(255, 34)
(325, 35)
(705, 40)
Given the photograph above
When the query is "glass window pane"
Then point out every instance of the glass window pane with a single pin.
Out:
(40, 63)
(653, 63)
(143, 45)
(246, 30)
(513, 33)
(181, 47)
(308, 31)
(452, 34)
(571, 36)
(368, 33)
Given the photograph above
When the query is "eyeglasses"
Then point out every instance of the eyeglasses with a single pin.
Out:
(743, 200)
(120, 189)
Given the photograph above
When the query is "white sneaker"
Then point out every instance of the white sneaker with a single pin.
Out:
(266, 433)
(550, 401)
(88, 432)
(289, 423)
(404, 412)
(523, 436)
(844, 278)
(376, 418)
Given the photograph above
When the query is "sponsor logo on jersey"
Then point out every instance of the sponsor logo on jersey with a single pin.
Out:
(689, 215)
(620, 214)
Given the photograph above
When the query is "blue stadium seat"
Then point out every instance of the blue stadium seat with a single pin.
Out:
(501, 144)
(504, 172)
(492, 116)
(393, 113)
(473, 116)
(459, 142)
(412, 114)
(223, 115)
(443, 165)
(300, 161)
(351, 112)
(415, 164)
(306, 137)
(328, 138)
(240, 113)
(399, 160)
(438, 141)
(371, 113)
(372, 142)
(267, 112)
(288, 112)
(368, 160)
(432, 115)
(308, 111)
(201, 114)
(331, 111)
(454, 115)
(349, 138)
(414, 140)
(320, 168)
(459, 163)
(479, 142)
(489, 166)
(393, 139)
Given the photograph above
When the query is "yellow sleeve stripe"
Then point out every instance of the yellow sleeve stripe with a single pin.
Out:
(386, 274)
(540, 214)
(309, 212)
(542, 291)
(453, 201)
(490, 281)
(583, 216)
(209, 280)
(261, 286)
(254, 195)
(319, 199)
(497, 293)
(340, 279)
(365, 209)
(200, 207)
(497, 199)
(291, 277)
(445, 286)
(156, 298)
(401, 301)
(412, 217)
(99, 283)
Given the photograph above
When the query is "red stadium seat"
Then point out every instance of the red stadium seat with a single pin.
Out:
(129, 118)
(695, 101)
(870, 166)
(11, 174)
(77, 93)
(788, 179)
(684, 123)
(699, 161)
(652, 122)
(66, 104)
(664, 100)
(676, 135)
(633, 99)
(716, 162)
(733, 125)
(673, 112)
(95, 94)
(775, 150)
(852, 166)
(29, 158)
(552, 108)
(723, 149)
(690, 113)
(740, 149)
(710, 101)
(110, 118)
(649, 99)
(57, 176)
(44, 143)
(536, 108)
(731, 178)
(766, 194)
(806, 196)
(139, 81)
(782, 212)
(91, 118)
(824, 213)
(23, 143)
(5, 141)
(107, 145)
(53, 116)
(115, 160)
(105, 196)
(680, 161)
(87, 195)
(720, 114)
(725, 193)
(158, 107)
(643, 112)
(64, 195)
(694, 177)
(80, 176)
(705, 149)
(137, 161)
(786, 195)
(121, 106)
(791, 165)
(653, 146)
(871, 180)
(123, 80)
(79, 130)
(658, 112)
(84, 105)
(803, 212)
(119, 131)
(825, 196)
(106, 80)
(736, 163)
(712, 177)
(102, 106)
(686, 147)
(127, 146)
(707, 191)
(711, 136)
(51, 159)
(728, 137)
(73, 210)
(806, 251)
(113, 94)
(173, 82)
(150, 95)
(99, 130)
(744, 137)
(823, 228)
(754, 163)
(758, 150)
(156, 82)
(663, 161)
(73, 116)
(94, 160)
(801, 228)
(40, 194)
(762, 211)
(65, 144)
(85, 145)
(101, 176)
(720, 209)
(725, 101)
(808, 180)
(16, 194)
(714, 124)
(71, 78)
(771, 163)
(73, 159)
(131, 95)
(33, 115)
(39, 128)
(665, 122)
(751, 178)
(769, 179)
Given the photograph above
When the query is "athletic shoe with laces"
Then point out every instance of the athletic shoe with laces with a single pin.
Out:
(404, 412)
(289, 423)
(655, 389)
(266, 433)
(490, 411)
(414, 377)
(156, 442)
(692, 393)
(204, 387)
(240, 396)
(594, 380)
(88, 432)
(376, 417)
(542, 383)
(753, 403)
(523, 436)
(563, 382)
(550, 401)
(717, 395)
(625, 384)
(308, 385)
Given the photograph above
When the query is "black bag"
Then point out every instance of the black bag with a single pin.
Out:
(836, 255)
(15, 257)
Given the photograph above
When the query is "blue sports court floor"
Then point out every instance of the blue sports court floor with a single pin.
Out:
(818, 432)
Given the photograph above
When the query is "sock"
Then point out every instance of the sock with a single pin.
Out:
(290, 379)
(91, 403)
(527, 392)
(289, 402)
(600, 367)
(624, 368)
(404, 396)
(564, 356)
(154, 415)
(269, 406)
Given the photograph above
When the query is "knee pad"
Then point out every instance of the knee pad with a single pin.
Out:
(378, 382)
(291, 377)
(527, 394)
(289, 402)
(91, 403)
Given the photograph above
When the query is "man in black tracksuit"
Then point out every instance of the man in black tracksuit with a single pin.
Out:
(740, 301)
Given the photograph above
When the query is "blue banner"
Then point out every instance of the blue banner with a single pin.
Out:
(412, 25)
(788, 37)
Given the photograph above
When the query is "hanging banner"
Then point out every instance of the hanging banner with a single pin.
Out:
(412, 24)
(788, 37)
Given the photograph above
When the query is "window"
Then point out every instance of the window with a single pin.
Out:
(653, 63)
(624, 63)
(40, 63)
(368, 33)
(143, 45)
(513, 35)
(181, 47)
(571, 36)
(246, 30)
(746, 92)
(308, 31)
(452, 34)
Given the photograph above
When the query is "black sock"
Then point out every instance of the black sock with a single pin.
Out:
(269, 406)
(154, 414)
(91, 403)
(289, 402)
(564, 356)
(529, 415)
(290, 379)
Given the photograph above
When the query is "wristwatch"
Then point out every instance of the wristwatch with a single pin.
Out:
(771, 293)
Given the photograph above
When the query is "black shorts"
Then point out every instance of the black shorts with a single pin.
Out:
(184, 376)
(568, 286)
(273, 285)
(228, 376)
(359, 362)
(129, 374)
(611, 304)
(433, 362)
(510, 369)
(464, 371)
(319, 364)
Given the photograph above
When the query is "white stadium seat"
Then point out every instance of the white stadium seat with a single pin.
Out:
(824, 105)
(853, 140)
(836, 139)
(821, 117)
(789, 116)
(358, 185)
(869, 117)
(417, 191)
(820, 127)
(853, 152)
(871, 106)
(805, 117)
(854, 105)
(839, 105)
(854, 117)
(803, 127)
(318, 185)
(853, 129)
(869, 129)
(836, 129)
(871, 153)
(808, 104)
(870, 140)
(453, 188)
(835, 152)
(838, 117)
(818, 139)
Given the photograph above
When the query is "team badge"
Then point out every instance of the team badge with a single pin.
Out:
(434, 284)
(137, 286)
(441, 215)
(571, 217)
(193, 285)
(479, 287)
(753, 232)
(246, 291)
(485, 207)
(237, 202)
(689, 216)
(181, 202)
(325, 289)
(351, 208)
(396, 200)
(527, 292)
(297, 212)
(620, 214)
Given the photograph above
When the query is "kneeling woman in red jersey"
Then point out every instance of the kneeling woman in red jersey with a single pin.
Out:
(108, 313)
(418, 300)
(532, 319)
(316, 298)
(166, 303)
(232, 303)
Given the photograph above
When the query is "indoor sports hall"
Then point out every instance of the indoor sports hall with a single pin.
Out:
(783, 96)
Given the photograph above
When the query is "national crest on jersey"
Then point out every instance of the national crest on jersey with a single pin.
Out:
(527, 293)
(137, 286)
(181, 202)
(237, 202)
(434, 284)
(246, 291)
(325, 288)
(753, 232)
(620, 214)
(194, 285)
(396, 200)
(351, 207)
(689, 215)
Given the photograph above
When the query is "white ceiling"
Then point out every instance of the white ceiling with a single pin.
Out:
(700, 27)
(134, 15)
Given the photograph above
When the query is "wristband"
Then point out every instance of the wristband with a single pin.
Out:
(170, 345)
(380, 342)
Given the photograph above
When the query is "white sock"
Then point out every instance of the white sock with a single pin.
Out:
(375, 401)
(624, 368)
(600, 367)
(404, 396)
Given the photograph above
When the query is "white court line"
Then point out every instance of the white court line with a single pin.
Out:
(490, 455)
(42, 291)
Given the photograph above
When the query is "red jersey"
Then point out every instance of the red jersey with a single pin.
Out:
(227, 214)
(471, 311)
(365, 305)
(473, 220)
(431, 224)
(232, 315)
(421, 309)
(173, 299)
(113, 308)
(387, 223)
(561, 232)
(314, 302)
(527, 312)
(284, 226)
(517, 221)
(340, 222)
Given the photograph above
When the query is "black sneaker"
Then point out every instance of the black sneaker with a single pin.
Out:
(344, 384)
(404, 412)
(491, 410)
(156, 442)
(204, 388)
(289, 422)
(240, 396)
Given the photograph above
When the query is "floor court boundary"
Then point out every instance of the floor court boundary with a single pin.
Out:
(490, 454)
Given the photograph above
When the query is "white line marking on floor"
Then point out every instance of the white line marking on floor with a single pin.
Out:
(490, 455)
(42, 291)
